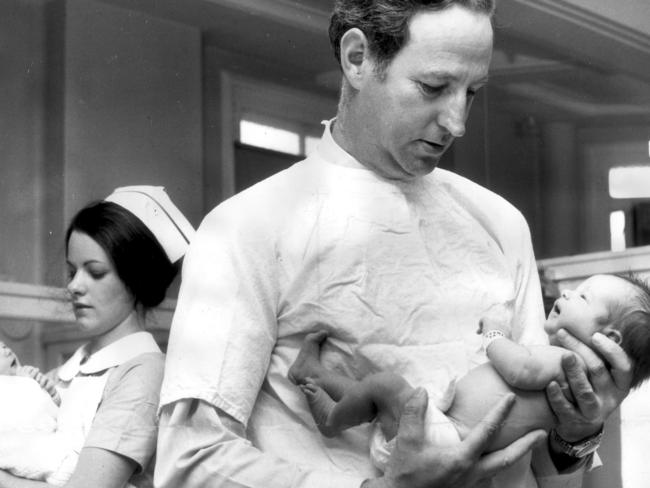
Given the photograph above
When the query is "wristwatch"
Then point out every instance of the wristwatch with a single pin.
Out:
(578, 449)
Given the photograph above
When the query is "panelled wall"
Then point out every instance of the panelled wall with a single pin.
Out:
(92, 97)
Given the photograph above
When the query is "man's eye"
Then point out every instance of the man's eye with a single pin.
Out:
(431, 89)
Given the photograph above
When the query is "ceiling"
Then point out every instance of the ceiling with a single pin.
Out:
(581, 59)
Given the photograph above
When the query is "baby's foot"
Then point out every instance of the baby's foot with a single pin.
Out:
(320, 404)
(307, 364)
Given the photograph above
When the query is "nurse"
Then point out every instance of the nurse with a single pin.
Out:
(120, 257)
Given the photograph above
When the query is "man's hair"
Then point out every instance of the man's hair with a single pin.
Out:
(385, 22)
(633, 322)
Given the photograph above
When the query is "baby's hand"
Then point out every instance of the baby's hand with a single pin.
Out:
(44, 381)
(487, 324)
(497, 317)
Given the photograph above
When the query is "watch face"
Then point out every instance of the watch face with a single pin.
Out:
(585, 450)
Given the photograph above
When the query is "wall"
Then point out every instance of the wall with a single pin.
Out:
(93, 97)
(22, 86)
(22, 90)
(601, 149)
(501, 151)
(133, 111)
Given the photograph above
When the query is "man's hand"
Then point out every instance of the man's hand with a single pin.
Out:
(597, 393)
(415, 464)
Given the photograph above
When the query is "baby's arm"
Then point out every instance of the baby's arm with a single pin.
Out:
(46, 382)
(526, 367)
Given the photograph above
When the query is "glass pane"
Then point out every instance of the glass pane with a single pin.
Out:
(269, 137)
(635, 431)
(617, 230)
(629, 182)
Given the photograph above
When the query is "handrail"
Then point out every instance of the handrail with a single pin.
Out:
(23, 301)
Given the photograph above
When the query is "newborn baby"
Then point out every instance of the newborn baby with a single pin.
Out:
(31, 446)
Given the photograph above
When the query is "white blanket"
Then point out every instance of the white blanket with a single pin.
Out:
(39, 440)
(25, 406)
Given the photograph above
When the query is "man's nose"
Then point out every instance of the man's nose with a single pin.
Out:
(452, 118)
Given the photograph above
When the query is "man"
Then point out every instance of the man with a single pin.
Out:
(397, 262)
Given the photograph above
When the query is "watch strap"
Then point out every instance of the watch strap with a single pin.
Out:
(579, 449)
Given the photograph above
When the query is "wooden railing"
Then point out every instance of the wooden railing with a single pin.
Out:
(50, 305)
(21, 301)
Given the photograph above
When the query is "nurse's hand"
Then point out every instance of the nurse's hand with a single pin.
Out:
(415, 464)
(597, 392)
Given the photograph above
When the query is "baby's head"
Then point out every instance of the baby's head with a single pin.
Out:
(617, 306)
(8, 360)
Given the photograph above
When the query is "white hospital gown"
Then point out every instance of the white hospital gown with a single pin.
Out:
(399, 273)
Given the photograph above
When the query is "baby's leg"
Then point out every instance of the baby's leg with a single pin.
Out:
(320, 405)
(307, 366)
(379, 395)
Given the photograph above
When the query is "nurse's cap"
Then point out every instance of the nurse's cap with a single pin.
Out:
(154, 208)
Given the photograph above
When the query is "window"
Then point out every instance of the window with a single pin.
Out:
(630, 181)
(296, 140)
(617, 230)
(269, 137)
(635, 429)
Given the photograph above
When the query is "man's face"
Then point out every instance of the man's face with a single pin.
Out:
(419, 106)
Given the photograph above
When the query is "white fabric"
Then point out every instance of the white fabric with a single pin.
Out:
(400, 273)
(440, 430)
(51, 454)
(114, 354)
(154, 208)
(25, 406)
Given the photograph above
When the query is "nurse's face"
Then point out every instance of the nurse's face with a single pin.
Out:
(100, 299)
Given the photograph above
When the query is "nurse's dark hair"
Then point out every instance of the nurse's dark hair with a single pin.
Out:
(138, 257)
(632, 320)
(385, 22)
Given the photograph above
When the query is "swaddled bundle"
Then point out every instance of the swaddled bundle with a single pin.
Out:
(32, 447)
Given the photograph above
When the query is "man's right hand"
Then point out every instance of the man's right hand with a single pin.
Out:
(415, 464)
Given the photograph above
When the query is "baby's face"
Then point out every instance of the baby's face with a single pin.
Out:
(8, 360)
(586, 310)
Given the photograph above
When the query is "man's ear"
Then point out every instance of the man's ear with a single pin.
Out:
(613, 335)
(355, 59)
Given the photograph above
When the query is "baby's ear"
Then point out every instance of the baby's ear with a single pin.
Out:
(613, 335)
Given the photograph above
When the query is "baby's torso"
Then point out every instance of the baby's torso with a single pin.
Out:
(480, 389)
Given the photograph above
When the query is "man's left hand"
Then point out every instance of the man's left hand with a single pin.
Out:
(597, 393)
